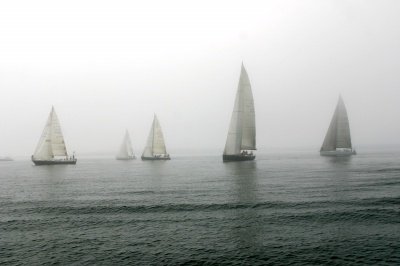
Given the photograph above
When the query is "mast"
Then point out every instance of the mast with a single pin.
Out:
(153, 129)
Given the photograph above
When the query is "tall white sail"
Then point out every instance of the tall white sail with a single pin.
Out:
(158, 142)
(338, 135)
(126, 150)
(51, 142)
(242, 129)
(155, 141)
(148, 150)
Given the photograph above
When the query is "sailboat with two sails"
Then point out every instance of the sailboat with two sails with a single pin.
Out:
(337, 141)
(126, 151)
(155, 147)
(51, 148)
(241, 140)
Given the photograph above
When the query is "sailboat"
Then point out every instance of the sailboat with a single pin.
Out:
(126, 151)
(51, 147)
(241, 140)
(6, 159)
(337, 140)
(155, 147)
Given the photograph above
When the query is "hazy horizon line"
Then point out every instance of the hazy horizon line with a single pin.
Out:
(217, 152)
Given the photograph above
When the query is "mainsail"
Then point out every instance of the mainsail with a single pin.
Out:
(51, 143)
(338, 135)
(242, 129)
(126, 150)
(155, 142)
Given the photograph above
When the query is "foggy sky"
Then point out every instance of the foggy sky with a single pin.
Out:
(110, 65)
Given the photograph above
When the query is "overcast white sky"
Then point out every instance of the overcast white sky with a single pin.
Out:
(110, 65)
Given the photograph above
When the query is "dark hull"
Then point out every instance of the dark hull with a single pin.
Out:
(237, 158)
(53, 162)
(155, 158)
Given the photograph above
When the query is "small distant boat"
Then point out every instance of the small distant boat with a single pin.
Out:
(241, 140)
(51, 148)
(337, 141)
(155, 147)
(126, 151)
(6, 159)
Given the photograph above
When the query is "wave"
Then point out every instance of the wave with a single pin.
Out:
(388, 170)
(76, 207)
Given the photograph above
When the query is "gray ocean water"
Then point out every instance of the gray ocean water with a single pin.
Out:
(280, 209)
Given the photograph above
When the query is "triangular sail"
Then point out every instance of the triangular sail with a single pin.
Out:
(158, 140)
(155, 141)
(242, 129)
(129, 145)
(148, 150)
(338, 135)
(44, 149)
(51, 142)
(249, 117)
(126, 149)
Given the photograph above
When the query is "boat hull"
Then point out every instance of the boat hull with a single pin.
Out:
(338, 153)
(125, 158)
(53, 162)
(155, 158)
(237, 158)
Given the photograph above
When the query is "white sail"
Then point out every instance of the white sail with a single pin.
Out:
(242, 129)
(51, 142)
(148, 150)
(158, 142)
(126, 150)
(338, 135)
(249, 117)
(155, 141)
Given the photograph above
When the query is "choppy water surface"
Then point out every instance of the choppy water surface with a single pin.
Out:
(279, 209)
